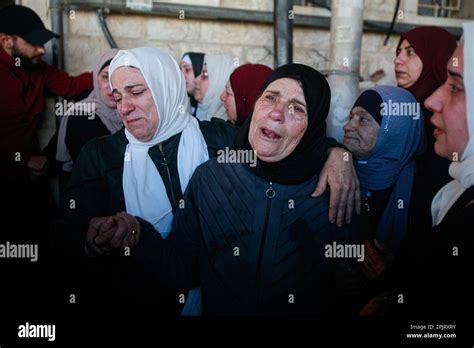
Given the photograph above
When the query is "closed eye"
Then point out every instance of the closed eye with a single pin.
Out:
(137, 92)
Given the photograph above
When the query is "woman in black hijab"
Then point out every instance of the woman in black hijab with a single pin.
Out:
(191, 66)
(248, 232)
(312, 147)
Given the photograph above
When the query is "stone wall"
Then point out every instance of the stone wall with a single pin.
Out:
(250, 42)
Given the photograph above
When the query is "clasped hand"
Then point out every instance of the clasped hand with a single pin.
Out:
(108, 233)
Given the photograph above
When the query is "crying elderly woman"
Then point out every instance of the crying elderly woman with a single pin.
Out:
(251, 237)
(145, 169)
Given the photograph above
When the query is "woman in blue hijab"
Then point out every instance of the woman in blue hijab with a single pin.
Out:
(384, 132)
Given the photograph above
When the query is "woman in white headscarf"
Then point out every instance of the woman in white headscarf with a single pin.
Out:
(455, 127)
(210, 84)
(101, 117)
(452, 247)
(144, 169)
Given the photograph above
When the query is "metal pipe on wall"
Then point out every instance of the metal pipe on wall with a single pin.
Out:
(56, 7)
(105, 28)
(347, 21)
(282, 32)
(233, 14)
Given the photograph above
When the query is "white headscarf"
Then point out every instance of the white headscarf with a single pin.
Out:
(144, 190)
(219, 68)
(463, 171)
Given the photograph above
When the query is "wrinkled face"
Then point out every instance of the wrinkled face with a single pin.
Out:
(28, 53)
(228, 98)
(201, 84)
(104, 88)
(279, 120)
(448, 104)
(188, 73)
(360, 133)
(408, 65)
(135, 102)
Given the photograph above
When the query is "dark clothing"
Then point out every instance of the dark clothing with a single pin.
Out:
(80, 130)
(97, 174)
(435, 273)
(431, 174)
(375, 203)
(434, 46)
(96, 190)
(194, 105)
(254, 248)
(22, 101)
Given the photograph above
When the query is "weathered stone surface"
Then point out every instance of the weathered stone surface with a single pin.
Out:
(173, 29)
(250, 42)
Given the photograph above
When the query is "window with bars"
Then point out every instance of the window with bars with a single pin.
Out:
(313, 3)
(439, 8)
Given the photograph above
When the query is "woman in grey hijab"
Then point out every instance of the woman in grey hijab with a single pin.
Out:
(80, 124)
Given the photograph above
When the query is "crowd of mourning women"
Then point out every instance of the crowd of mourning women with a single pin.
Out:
(152, 220)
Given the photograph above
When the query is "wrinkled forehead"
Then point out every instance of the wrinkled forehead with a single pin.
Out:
(361, 111)
(288, 88)
(126, 76)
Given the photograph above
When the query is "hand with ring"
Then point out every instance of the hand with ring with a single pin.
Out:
(110, 233)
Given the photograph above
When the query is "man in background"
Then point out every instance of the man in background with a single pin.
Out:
(26, 80)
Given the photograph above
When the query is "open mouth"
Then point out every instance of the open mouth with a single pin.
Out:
(437, 132)
(269, 134)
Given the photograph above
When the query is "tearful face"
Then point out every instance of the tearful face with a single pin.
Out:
(279, 120)
(135, 102)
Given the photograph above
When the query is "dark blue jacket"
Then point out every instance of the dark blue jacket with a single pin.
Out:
(251, 253)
